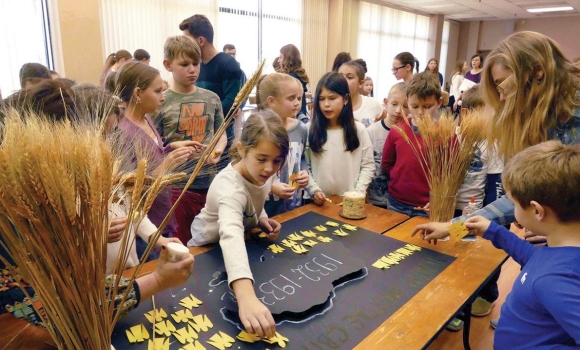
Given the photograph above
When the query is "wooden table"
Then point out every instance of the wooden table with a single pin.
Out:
(419, 322)
(415, 324)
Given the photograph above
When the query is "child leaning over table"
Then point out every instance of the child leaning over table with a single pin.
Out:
(543, 308)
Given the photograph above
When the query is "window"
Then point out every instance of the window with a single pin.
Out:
(24, 38)
(383, 33)
(444, 49)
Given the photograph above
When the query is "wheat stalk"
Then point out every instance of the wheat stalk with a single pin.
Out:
(445, 157)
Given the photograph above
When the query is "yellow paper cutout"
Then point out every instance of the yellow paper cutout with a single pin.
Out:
(320, 228)
(379, 264)
(185, 334)
(158, 344)
(137, 334)
(340, 233)
(295, 237)
(247, 337)
(310, 243)
(299, 249)
(159, 316)
(277, 339)
(190, 302)
(324, 239)
(308, 234)
(201, 323)
(349, 227)
(328, 200)
(182, 316)
(263, 235)
(457, 231)
(288, 243)
(221, 340)
(195, 345)
(276, 249)
(164, 328)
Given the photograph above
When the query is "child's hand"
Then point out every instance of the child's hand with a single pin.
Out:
(319, 198)
(432, 231)
(283, 190)
(254, 315)
(194, 144)
(179, 156)
(302, 178)
(214, 157)
(271, 227)
(162, 241)
(477, 225)
(168, 274)
(116, 229)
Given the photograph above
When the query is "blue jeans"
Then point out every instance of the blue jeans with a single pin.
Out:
(406, 209)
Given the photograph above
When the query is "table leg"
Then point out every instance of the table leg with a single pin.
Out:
(466, 324)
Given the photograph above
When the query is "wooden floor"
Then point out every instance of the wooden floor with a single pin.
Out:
(481, 337)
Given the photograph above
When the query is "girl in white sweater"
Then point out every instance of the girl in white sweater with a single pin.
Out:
(339, 153)
(235, 204)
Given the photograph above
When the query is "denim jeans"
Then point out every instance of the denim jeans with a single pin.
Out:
(406, 209)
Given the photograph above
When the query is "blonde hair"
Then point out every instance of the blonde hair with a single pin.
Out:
(531, 106)
(269, 85)
(181, 45)
(264, 125)
(458, 69)
(548, 173)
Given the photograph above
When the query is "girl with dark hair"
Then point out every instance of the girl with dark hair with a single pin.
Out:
(337, 144)
(339, 60)
(403, 65)
(291, 63)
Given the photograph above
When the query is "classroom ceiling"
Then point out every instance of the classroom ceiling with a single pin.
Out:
(471, 10)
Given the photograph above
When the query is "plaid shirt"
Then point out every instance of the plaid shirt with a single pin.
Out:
(502, 210)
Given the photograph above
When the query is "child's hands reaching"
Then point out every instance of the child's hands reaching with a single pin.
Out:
(270, 227)
(302, 178)
(477, 225)
(319, 198)
(116, 229)
(283, 190)
(254, 315)
(432, 231)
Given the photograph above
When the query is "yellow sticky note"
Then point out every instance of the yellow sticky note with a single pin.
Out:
(221, 340)
(457, 231)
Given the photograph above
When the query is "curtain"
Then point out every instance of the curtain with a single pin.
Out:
(281, 25)
(315, 39)
(383, 33)
(22, 40)
(145, 24)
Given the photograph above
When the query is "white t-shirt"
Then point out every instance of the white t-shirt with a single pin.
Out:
(484, 162)
(336, 170)
(233, 205)
(369, 110)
